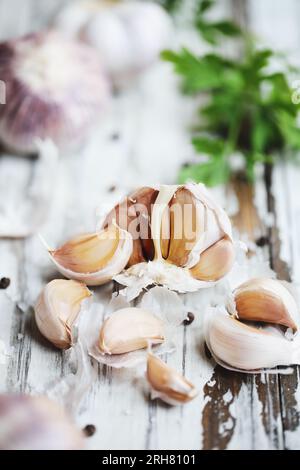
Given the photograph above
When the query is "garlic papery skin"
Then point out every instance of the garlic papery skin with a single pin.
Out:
(36, 423)
(167, 384)
(94, 258)
(140, 30)
(241, 347)
(266, 300)
(55, 88)
(130, 329)
(57, 310)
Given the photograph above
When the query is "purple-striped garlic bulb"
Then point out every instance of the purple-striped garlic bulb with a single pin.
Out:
(55, 88)
(36, 423)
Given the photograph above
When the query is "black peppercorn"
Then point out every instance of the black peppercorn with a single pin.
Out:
(4, 282)
(189, 319)
(89, 430)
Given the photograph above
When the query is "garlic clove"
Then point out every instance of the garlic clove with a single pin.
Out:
(246, 348)
(167, 384)
(55, 88)
(96, 257)
(133, 214)
(184, 226)
(165, 233)
(36, 423)
(57, 309)
(215, 262)
(144, 199)
(130, 329)
(266, 300)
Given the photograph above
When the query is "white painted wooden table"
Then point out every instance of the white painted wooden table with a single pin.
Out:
(143, 140)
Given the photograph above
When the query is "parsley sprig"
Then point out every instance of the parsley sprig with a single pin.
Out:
(248, 110)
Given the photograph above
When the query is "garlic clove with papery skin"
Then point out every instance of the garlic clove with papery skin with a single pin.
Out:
(94, 258)
(215, 262)
(55, 88)
(57, 310)
(167, 384)
(133, 214)
(266, 300)
(36, 423)
(242, 347)
(130, 329)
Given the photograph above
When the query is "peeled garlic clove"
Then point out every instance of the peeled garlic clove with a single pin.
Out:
(167, 384)
(215, 262)
(266, 300)
(244, 347)
(57, 309)
(130, 329)
(55, 88)
(94, 258)
(36, 423)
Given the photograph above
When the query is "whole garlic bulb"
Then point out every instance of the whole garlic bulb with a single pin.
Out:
(55, 88)
(181, 238)
(57, 309)
(128, 35)
(36, 423)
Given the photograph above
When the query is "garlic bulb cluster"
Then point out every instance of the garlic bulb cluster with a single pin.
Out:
(130, 329)
(181, 238)
(127, 35)
(55, 88)
(167, 384)
(94, 258)
(36, 423)
(175, 236)
(269, 310)
(57, 310)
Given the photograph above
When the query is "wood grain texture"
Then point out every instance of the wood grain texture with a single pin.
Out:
(143, 140)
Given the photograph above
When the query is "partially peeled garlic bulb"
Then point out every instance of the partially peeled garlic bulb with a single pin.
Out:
(55, 88)
(140, 30)
(167, 384)
(182, 238)
(266, 300)
(130, 329)
(94, 258)
(36, 423)
(57, 309)
(269, 311)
